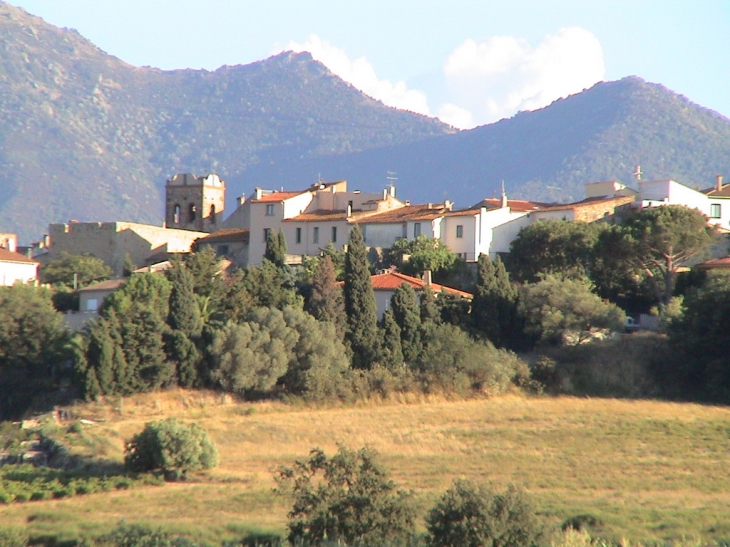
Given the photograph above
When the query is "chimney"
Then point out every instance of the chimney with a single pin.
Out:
(504, 197)
(349, 209)
(392, 190)
(719, 183)
(385, 194)
(241, 200)
(448, 204)
(427, 277)
(259, 193)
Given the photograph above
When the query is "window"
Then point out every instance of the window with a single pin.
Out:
(267, 231)
(270, 210)
(212, 214)
(192, 210)
(715, 210)
(417, 229)
(298, 235)
(459, 230)
(92, 304)
(176, 214)
(315, 235)
(334, 234)
(222, 250)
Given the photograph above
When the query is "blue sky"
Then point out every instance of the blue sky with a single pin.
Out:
(467, 61)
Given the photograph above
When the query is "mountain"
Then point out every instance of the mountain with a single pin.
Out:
(603, 133)
(86, 136)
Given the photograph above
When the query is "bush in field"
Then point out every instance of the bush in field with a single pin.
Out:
(171, 447)
(134, 535)
(346, 499)
(474, 516)
(454, 361)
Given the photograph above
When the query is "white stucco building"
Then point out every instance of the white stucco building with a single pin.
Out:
(16, 268)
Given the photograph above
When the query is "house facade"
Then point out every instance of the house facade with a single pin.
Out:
(17, 268)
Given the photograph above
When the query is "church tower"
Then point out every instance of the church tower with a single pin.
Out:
(195, 203)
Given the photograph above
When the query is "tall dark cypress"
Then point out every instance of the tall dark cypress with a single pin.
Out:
(362, 323)
(494, 308)
(276, 248)
(326, 301)
(184, 313)
(406, 313)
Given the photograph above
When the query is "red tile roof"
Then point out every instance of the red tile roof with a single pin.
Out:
(393, 280)
(10, 256)
(109, 285)
(586, 202)
(406, 213)
(276, 197)
(715, 263)
(724, 192)
(321, 215)
(518, 205)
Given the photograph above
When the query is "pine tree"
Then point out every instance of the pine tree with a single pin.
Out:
(407, 314)
(494, 307)
(362, 334)
(392, 352)
(326, 302)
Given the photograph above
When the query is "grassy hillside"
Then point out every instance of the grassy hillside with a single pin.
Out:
(646, 470)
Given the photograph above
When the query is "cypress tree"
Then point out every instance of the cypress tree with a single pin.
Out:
(276, 248)
(407, 314)
(392, 351)
(494, 307)
(326, 302)
(184, 313)
(429, 307)
(362, 334)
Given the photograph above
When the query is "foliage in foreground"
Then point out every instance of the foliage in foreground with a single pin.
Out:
(171, 447)
(348, 498)
(19, 483)
(473, 516)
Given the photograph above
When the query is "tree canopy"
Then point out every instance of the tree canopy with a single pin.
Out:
(86, 267)
(655, 243)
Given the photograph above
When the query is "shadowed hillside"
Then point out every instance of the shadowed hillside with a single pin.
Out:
(600, 134)
(84, 135)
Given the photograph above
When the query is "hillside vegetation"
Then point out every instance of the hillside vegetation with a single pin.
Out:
(640, 470)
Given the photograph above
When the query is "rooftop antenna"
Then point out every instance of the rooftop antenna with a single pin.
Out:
(638, 172)
(391, 176)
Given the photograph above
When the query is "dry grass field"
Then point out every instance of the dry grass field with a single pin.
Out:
(648, 471)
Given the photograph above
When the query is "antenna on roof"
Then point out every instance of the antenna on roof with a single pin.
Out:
(638, 172)
(391, 176)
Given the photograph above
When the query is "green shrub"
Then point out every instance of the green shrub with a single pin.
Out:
(171, 447)
(347, 499)
(474, 516)
(134, 535)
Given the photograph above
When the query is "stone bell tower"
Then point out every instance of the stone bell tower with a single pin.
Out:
(195, 203)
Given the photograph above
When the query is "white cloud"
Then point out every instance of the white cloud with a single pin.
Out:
(456, 116)
(361, 74)
(503, 75)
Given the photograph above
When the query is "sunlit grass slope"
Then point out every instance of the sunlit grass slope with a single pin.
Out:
(646, 470)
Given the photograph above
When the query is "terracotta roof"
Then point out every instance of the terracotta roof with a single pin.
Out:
(109, 285)
(463, 213)
(227, 235)
(586, 202)
(518, 205)
(724, 192)
(406, 213)
(10, 256)
(719, 263)
(321, 215)
(276, 197)
(393, 280)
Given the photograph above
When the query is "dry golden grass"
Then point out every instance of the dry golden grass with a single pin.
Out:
(648, 470)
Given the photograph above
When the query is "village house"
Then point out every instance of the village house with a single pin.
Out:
(17, 268)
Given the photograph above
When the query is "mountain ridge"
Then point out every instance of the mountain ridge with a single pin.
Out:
(86, 136)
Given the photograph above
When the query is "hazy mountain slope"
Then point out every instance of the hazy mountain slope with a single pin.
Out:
(600, 134)
(84, 135)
